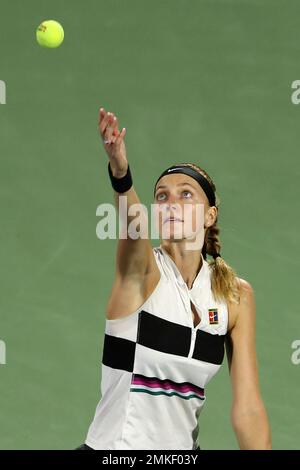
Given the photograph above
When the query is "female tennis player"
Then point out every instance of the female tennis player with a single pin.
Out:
(168, 319)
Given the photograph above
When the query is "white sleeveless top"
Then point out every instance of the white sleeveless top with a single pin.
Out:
(156, 365)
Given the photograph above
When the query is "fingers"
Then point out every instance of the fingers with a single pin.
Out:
(109, 128)
(120, 137)
(115, 125)
(115, 129)
(104, 120)
(102, 113)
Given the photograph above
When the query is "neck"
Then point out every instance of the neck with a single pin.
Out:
(188, 262)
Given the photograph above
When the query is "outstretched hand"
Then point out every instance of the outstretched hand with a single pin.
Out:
(113, 141)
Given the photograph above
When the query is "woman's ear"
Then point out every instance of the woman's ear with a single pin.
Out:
(210, 217)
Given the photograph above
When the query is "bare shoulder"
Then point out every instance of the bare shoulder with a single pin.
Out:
(246, 306)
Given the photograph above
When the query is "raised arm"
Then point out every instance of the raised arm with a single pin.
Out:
(134, 259)
(249, 417)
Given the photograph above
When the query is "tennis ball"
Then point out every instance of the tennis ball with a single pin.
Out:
(50, 34)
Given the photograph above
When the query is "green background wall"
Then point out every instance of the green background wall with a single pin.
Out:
(207, 81)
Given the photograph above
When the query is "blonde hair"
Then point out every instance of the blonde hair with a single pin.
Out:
(225, 284)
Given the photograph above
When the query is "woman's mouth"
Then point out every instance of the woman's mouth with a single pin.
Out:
(173, 219)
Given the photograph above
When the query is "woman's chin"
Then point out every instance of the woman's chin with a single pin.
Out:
(173, 236)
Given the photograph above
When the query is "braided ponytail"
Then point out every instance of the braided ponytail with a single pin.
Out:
(223, 277)
(224, 280)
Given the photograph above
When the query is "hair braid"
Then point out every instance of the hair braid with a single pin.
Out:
(223, 277)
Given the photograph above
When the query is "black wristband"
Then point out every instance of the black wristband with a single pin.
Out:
(120, 185)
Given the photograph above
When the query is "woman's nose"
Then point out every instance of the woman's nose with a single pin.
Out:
(173, 205)
(172, 201)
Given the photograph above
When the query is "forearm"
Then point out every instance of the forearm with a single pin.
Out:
(252, 428)
(127, 201)
(134, 248)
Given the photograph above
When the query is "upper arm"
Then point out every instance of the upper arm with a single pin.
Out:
(134, 257)
(130, 291)
(136, 270)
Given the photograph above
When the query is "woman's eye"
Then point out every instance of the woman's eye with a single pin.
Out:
(187, 193)
(160, 196)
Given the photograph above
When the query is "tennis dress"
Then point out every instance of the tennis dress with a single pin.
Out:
(156, 365)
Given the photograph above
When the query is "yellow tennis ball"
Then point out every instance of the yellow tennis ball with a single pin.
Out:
(50, 34)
